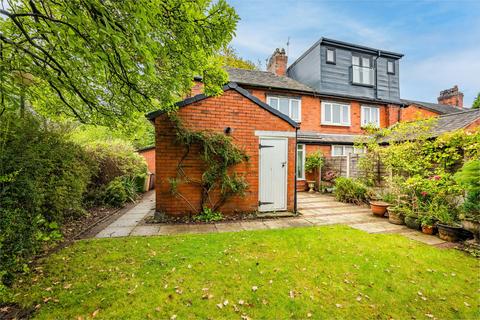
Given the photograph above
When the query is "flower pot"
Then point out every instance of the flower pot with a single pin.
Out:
(412, 222)
(379, 208)
(428, 229)
(311, 186)
(452, 233)
(395, 216)
(473, 227)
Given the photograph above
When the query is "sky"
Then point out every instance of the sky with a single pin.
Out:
(440, 40)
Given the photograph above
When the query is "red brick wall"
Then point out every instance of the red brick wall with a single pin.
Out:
(413, 112)
(149, 156)
(473, 126)
(311, 113)
(228, 110)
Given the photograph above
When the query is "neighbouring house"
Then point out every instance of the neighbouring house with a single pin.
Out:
(321, 102)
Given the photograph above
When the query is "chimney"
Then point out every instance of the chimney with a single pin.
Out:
(278, 62)
(451, 97)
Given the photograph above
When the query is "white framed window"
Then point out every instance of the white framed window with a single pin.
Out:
(362, 71)
(390, 67)
(331, 56)
(370, 116)
(335, 114)
(291, 107)
(344, 150)
(300, 162)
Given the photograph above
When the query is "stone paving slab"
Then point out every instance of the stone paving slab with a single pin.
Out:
(145, 231)
(316, 209)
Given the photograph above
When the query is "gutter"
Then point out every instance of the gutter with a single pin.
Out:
(295, 175)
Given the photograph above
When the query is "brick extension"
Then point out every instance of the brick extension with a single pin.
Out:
(233, 110)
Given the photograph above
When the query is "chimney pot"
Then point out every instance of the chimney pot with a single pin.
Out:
(452, 97)
(278, 62)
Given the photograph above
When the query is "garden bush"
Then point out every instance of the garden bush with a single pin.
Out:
(351, 190)
(43, 177)
(119, 169)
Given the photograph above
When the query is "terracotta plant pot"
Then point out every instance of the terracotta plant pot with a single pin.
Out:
(395, 216)
(428, 229)
(412, 222)
(379, 207)
(473, 227)
(452, 233)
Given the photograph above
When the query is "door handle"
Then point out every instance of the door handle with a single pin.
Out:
(283, 164)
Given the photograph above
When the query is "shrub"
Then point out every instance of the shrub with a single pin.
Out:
(208, 215)
(43, 177)
(350, 190)
(120, 169)
(469, 178)
(313, 161)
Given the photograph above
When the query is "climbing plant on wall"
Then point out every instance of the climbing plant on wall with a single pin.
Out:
(219, 154)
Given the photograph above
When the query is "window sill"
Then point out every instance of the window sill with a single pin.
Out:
(336, 125)
(362, 85)
(300, 179)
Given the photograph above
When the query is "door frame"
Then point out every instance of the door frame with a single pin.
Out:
(260, 171)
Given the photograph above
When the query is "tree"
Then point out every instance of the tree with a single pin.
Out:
(101, 61)
(476, 102)
(230, 58)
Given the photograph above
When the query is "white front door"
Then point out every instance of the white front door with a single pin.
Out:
(273, 174)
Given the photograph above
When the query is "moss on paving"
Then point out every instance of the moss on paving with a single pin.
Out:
(324, 272)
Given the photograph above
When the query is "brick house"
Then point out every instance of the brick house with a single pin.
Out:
(326, 98)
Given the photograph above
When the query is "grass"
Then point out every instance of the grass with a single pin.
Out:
(326, 272)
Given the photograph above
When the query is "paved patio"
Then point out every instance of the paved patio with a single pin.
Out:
(315, 209)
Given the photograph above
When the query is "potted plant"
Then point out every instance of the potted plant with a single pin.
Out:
(448, 227)
(396, 214)
(411, 219)
(428, 223)
(313, 164)
(379, 208)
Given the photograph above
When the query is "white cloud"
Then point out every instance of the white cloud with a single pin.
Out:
(424, 79)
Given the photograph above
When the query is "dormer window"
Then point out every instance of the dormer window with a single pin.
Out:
(331, 56)
(390, 67)
(362, 71)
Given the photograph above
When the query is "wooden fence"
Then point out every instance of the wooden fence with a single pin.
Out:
(348, 166)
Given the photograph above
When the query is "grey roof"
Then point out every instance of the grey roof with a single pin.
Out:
(435, 107)
(455, 121)
(231, 86)
(315, 137)
(266, 79)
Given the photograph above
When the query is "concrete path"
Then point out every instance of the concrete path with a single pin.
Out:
(315, 209)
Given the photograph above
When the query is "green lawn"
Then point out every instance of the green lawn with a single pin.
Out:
(325, 272)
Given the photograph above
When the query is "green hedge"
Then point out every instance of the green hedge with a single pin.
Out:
(45, 177)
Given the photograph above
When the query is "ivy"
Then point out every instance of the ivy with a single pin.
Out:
(219, 155)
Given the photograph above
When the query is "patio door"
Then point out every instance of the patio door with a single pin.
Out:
(273, 174)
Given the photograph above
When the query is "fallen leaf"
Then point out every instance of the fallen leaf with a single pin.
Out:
(466, 304)
(67, 286)
(225, 302)
(241, 302)
(219, 306)
(429, 315)
(158, 309)
(309, 315)
(94, 314)
(292, 294)
(359, 299)
(173, 317)
(338, 305)
(254, 288)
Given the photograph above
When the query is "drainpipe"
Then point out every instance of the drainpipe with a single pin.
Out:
(379, 53)
(295, 175)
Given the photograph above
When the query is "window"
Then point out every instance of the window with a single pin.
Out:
(362, 71)
(331, 56)
(300, 162)
(370, 116)
(335, 114)
(340, 150)
(291, 107)
(390, 67)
